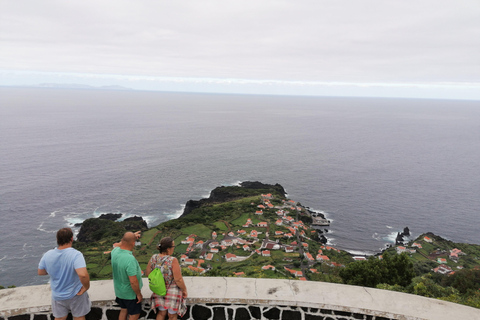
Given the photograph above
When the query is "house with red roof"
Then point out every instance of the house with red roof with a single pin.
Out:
(322, 258)
(209, 256)
(308, 256)
(272, 246)
(262, 224)
(401, 249)
(443, 269)
(189, 261)
(288, 249)
(259, 212)
(441, 260)
(428, 239)
(267, 267)
(230, 257)
(266, 253)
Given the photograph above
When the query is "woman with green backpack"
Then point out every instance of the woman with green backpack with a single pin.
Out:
(172, 300)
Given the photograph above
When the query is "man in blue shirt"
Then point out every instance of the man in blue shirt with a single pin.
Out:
(69, 278)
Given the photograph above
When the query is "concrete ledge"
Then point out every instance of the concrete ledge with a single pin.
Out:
(382, 304)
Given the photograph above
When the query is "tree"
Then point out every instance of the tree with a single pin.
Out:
(396, 270)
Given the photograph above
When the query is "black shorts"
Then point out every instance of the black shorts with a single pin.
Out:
(131, 305)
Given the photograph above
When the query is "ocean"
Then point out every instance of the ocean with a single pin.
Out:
(372, 165)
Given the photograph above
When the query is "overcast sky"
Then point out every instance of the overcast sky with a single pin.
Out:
(261, 45)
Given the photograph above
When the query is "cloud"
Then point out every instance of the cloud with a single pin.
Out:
(343, 41)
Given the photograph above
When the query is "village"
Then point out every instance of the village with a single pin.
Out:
(286, 234)
(446, 258)
(290, 235)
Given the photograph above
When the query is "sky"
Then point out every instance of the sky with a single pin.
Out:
(425, 49)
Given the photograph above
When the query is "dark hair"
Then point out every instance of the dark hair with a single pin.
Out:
(165, 244)
(64, 236)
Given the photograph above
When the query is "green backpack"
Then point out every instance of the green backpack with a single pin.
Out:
(156, 282)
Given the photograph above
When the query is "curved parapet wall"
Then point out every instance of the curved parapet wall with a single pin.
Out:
(247, 298)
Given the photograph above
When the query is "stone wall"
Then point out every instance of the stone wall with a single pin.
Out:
(246, 298)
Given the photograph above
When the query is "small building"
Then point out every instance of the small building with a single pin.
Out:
(322, 258)
(308, 256)
(230, 257)
(443, 269)
(400, 249)
(441, 260)
(268, 267)
(288, 249)
(428, 239)
(266, 253)
(189, 261)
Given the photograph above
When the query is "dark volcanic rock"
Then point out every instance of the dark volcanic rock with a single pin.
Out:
(96, 229)
(128, 225)
(110, 216)
(223, 194)
(323, 239)
(399, 239)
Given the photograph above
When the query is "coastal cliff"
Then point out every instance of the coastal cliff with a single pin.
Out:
(224, 194)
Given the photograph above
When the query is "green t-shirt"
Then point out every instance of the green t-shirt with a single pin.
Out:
(124, 265)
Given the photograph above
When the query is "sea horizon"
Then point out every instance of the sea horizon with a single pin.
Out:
(372, 165)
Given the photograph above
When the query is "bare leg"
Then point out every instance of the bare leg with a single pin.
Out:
(79, 318)
(172, 316)
(161, 315)
(134, 316)
(64, 318)
(123, 314)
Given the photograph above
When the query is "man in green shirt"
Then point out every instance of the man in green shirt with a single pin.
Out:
(127, 277)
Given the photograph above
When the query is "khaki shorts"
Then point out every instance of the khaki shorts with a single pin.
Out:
(78, 306)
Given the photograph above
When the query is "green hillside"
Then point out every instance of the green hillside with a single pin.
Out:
(255, 231)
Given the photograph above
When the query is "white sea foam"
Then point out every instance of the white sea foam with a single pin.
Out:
(40, 228)
(391, 237)
(52, 215)
(4, 257)
(389, 227)
(360, 252)
(177, 213)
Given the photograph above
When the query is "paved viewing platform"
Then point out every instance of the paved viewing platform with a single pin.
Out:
(248, 298)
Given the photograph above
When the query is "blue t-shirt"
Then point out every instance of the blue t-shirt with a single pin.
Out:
(61, 265)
